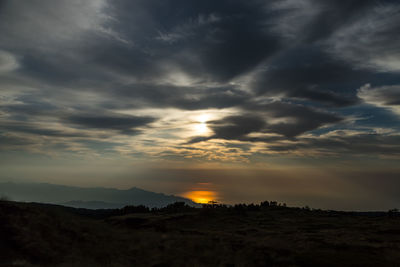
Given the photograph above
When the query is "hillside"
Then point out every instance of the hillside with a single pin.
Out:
(50, 235)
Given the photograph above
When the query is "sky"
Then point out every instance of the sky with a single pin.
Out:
(236, 101)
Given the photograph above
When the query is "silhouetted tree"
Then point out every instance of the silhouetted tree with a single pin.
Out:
(177, 207)
(212, 204)
(240, 209)
(393, 212)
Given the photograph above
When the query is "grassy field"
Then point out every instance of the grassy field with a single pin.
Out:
(49, 235)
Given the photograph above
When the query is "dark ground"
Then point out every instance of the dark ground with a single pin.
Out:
(49, 235)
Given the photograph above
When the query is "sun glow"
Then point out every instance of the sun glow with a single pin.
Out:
(201, 124)
(201, 196)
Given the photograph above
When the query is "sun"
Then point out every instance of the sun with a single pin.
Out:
(201, 124)
(201, 128)
(201, 196)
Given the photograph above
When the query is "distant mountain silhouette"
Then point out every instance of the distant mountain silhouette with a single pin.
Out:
(92, 198)
(93, 204)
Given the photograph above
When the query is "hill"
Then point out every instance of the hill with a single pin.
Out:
(49, 235)
(79, 197)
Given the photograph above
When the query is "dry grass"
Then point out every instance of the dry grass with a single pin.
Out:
(46, 235)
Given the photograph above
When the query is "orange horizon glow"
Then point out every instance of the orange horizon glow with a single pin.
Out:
(201, 196)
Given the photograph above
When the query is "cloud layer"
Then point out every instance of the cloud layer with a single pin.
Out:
(190, 79)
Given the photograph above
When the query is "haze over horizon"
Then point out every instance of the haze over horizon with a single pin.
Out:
(235, 101)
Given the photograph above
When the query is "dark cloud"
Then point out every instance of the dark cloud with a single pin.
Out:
(210, 41)
(30, 128)
(198, 139)
(366, 144)
(28, 108)
(213, 42)
(233, 128)
(183, 97)
(237, 45)
(309, 73)
(13, 141)
(124, 124)
(236, 127)
(40, 67)
(384, 96)
(370, 41)
(297, 119)
(384, 99)
(217, 40)
(335, 14)
(115, 57)
(243, 147)
(301, 118)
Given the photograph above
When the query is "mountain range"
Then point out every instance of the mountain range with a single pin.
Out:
(90, 198)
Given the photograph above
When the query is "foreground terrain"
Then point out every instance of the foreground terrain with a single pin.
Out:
(48, 235)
